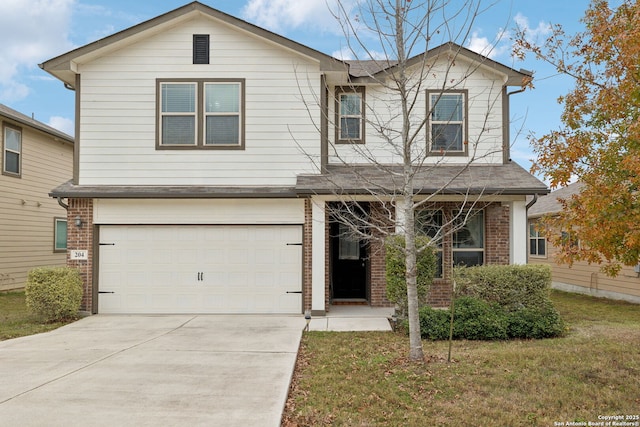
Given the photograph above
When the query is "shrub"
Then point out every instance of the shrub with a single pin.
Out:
(512, 287)
(54, 293)
(475, 319)
(395, 270)
(535, 323)
(434, 324)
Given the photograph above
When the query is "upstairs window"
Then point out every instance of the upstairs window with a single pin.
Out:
(201, 114)
(350, 115)
(447, 123)
(12, 151)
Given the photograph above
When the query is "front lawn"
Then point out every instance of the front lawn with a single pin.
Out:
(365, 379)
(15, 319)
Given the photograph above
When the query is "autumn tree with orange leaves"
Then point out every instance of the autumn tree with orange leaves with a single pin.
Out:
(599, 140)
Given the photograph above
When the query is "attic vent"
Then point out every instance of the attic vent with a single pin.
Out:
(201, 48)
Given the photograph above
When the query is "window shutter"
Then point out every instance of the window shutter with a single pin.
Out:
(201, 48)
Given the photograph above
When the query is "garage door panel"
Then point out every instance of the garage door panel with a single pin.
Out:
(200, 269)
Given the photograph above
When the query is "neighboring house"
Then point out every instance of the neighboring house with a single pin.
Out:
(33, 227)
(581, 277)
(207, 159)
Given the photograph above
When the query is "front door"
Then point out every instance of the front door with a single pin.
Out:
(349, 262)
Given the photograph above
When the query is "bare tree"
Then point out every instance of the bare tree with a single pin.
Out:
(407, 168)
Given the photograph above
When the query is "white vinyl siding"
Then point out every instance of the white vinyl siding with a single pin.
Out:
(118, 111)
(484, 119)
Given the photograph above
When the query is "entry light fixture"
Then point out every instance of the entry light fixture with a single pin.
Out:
(78, 221)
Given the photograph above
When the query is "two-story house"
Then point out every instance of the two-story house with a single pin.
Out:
(33, 227)
(210, 152)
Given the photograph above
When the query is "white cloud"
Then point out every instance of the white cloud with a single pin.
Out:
(533, 34)
(31, 32)
(489, 48)
(62, 124)
(279, 15)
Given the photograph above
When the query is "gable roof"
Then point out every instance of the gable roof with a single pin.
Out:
(63, 66)
(549, 204)
(16, 116)
(377, 68)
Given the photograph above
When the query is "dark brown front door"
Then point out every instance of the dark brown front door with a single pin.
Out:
(349, 262)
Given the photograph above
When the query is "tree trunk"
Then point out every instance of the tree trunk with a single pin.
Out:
(415, 340)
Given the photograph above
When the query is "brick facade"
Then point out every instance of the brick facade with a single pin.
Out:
(496, 251)
(81, 238)
(307, 263)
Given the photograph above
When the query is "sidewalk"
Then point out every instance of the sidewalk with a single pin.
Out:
(353, 318)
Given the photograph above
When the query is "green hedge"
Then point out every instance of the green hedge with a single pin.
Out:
(395, 270)
(512, 287)
(54, 293)
(475, 319)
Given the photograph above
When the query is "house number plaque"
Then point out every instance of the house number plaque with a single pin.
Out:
(79, 255)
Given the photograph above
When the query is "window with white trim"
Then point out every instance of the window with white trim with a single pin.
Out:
(350, 115)
(537, 242)
(447, 122)
(201, 114)
(468, 239)
(59, 234)
(12, 151)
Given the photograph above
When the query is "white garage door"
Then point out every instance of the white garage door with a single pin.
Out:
(200, 269)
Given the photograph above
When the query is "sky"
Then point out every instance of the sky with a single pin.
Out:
(33, 31)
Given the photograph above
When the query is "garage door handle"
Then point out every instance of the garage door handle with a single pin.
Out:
(294, 244)
(106, 292)
(294, 292)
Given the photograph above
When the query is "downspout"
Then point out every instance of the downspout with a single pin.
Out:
(507, 124)
(526, 210)
(63, 204)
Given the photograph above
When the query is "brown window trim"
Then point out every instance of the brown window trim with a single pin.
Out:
(4, 171)
(55, 229)
(200, 145)
(350, 90)
(465, 123)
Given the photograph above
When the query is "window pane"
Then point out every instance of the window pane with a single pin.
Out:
(61, 234)
(471, 235)
(178, 130)
(468, 258)
(349, 246)
(350, 105)
(446, 137)
(11, 162)
(222, 98)
(429, 223)
(542, 247)
(439, 264)
(178, 98)
(12, 140)
(223, 130)
(447, 108)
(349, 128)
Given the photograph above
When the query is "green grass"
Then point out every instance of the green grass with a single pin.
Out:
(365, 379)
(15, 319)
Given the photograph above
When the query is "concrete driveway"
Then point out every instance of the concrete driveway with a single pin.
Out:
(180, 370)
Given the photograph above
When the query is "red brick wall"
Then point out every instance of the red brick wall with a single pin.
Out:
(81, 238)
(377, 279)
(307, 263)
(497, 234)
